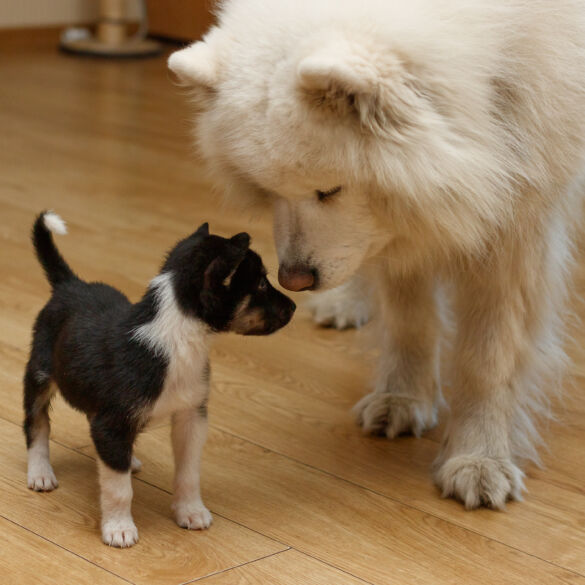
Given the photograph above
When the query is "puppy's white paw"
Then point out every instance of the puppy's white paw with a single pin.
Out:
(193, 516)
(480, 481)
(340, 308)
(41, 478)
(392, 415)
(121, 533)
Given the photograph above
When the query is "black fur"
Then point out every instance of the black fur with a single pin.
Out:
(84, 338)
(56, 269)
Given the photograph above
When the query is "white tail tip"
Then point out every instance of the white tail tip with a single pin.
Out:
(54, 223)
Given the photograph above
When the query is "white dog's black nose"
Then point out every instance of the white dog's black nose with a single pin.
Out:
(297, 277)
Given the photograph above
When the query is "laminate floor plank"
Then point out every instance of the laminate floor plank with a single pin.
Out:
(27, 559)
(285, 568)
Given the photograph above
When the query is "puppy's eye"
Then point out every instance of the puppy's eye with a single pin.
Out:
(263, 284)
(322, 195)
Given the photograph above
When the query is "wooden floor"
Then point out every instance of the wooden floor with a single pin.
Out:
(299, 496)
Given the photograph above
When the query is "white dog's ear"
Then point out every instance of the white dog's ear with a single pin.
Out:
(195, 66)
(335, 66)
(342, 79)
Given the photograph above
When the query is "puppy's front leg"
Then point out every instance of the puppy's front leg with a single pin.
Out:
(189, 431)
(407, 391)
(118, 528)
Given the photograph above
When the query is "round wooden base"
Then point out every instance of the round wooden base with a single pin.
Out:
(97, 48)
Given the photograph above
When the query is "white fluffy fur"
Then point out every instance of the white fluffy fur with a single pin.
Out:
(54, 223)
(457, 132)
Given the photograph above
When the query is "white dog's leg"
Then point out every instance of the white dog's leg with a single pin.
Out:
(407, 392)
(348, 305)
(118, 528)
(507, 351)
(189, 431)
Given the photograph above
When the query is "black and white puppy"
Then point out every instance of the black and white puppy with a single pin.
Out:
(126, 365)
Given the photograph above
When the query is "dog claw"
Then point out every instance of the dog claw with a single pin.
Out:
(341, 308)
(123, 535)
(480, 481)
(42, 482)
(197, 518)
(387, 414)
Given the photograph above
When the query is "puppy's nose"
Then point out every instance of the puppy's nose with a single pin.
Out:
(297, 277)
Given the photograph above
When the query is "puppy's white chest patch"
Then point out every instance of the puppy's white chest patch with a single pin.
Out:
(186, 384)
(184, 342)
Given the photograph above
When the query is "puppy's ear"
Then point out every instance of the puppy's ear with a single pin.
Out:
(200, 233)
(202, 230)
(241, 240)
(220, 270)
(348, 79)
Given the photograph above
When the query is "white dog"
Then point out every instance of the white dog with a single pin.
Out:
(413, 142)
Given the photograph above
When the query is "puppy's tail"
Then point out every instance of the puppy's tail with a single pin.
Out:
(55, 267)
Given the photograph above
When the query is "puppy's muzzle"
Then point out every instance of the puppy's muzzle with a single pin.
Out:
(285, 313)
(266, 319)
(279, 314)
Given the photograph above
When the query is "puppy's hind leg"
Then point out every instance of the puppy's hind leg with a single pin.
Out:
(37, 398)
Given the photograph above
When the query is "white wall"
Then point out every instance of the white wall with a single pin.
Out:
(28, 13)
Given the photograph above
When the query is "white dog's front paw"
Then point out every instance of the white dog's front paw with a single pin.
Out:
(193, 516)
(135, 465)
(480, 481)
(41, 478)
(392, 415)
(340, 308)
(121, 533)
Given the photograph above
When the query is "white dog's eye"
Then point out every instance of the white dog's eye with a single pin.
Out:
(322, 195)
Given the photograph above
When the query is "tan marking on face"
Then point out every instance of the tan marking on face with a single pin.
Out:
(246, 319)
(228, 279)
